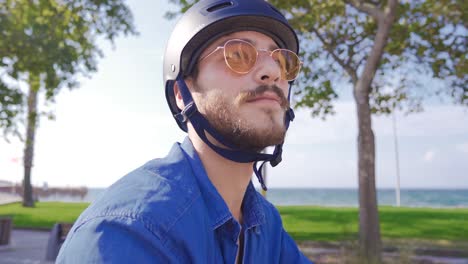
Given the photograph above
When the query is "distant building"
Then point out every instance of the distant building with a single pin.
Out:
(5, 183)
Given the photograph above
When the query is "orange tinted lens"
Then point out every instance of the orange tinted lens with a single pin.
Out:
(240, 56)
(288, 62)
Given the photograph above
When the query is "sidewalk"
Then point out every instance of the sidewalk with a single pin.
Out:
(29, 247)
(6, 198)
(26, 246)
(333, 255)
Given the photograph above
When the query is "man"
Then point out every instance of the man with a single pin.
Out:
(228, 68)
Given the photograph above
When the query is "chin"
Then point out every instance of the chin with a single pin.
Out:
(268, 128)
(267, 114)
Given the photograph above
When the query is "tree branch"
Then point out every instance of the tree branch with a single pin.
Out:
(328, 47)
(367, 8)
(351, 51)
(360, 62)
(383, 30)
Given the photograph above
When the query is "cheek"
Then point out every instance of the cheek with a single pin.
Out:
(217, 74)
(210, 100)
(210, 70)
(219, 87)
(284, 86)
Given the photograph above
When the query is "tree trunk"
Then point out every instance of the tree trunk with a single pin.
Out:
(369, 229)
(28, 200)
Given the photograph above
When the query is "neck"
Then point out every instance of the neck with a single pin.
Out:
(230, 178)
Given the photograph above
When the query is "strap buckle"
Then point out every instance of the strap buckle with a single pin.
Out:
(188, 111)
(291, 114)
(278, 156)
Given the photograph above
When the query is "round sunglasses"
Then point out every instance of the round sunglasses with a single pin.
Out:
(241, 56)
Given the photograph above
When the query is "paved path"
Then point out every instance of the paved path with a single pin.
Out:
(333, 255)
(26, 247)
(6, 198)
(29, 247)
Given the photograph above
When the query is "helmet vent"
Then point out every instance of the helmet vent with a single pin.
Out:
(219, 6)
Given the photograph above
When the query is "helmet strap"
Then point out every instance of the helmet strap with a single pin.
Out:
(231, 152)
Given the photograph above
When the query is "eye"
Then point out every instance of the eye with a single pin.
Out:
(237, 54)
(281, 60)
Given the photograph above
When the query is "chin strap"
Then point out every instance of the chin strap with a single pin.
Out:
(232, 152)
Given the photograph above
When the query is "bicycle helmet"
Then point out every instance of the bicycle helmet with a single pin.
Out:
(202, 24)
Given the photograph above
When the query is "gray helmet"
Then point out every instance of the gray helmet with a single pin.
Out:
(208, 20)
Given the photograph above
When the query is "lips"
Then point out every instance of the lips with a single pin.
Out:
(266, 96)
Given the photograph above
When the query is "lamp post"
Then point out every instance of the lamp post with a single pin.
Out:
(397, 163)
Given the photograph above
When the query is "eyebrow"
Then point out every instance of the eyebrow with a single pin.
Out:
(271, 47)
(253, 42)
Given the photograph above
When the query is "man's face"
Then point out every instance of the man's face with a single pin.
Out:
(247, 109)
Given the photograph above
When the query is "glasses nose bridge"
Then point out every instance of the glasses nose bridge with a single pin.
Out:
(269, 66)
(267, 51)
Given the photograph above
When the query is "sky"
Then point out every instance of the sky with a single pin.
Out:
(118, 119)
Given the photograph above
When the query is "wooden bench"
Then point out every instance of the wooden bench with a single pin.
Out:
(57, 236)
(66, 227)
(6, 225)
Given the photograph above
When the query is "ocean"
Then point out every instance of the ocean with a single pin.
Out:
(436, 198)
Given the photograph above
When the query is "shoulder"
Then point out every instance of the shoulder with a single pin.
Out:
(135, 216)
(155, 195)
(115, 240)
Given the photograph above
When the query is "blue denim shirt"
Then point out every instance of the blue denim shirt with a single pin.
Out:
(168, 211)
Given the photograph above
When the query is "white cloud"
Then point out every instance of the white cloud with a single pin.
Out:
(11, 160)
(441, 120)
(429, 155)
(435, 121)
(463, 147)
(337, 128)
(352, 164)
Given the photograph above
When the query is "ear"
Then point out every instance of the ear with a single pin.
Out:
(178, 94)
(178, 97)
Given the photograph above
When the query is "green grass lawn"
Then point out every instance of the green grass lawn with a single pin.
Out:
(337, 224)
(302, 222)
(44, 215)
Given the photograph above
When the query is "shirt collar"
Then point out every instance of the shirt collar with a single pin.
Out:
(218, 211)
(252, 208)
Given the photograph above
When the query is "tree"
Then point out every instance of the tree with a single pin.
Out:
(385, 51)
(45, 44)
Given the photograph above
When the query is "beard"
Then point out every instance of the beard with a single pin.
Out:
(223, 115)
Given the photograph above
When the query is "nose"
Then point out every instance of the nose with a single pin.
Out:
(267, 71)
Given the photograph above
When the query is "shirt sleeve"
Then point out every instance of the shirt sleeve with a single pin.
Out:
(114, 240)
(290, 252)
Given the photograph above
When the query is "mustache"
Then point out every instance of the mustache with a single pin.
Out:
(250, 95)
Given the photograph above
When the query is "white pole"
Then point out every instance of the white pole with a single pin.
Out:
(397, 163)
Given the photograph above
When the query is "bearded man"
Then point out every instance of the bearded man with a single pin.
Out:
(228, 71)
